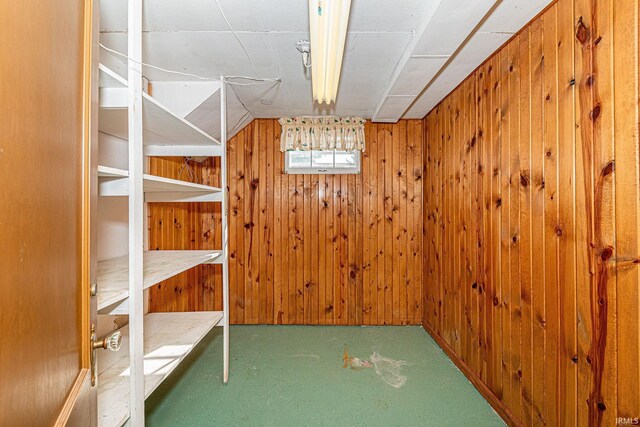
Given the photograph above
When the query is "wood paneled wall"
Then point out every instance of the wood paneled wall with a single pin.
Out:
(532, 218)
(186, 226)
(304, 249)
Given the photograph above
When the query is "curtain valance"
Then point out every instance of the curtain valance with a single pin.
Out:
(322, 133)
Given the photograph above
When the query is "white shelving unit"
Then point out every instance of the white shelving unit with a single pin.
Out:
(169, 337)
(153, 343)
(113, 274)
(165, 132)
(115, 182)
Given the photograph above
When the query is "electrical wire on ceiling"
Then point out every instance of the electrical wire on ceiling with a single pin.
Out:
(240, 122)
(256, 81)
(238, 39)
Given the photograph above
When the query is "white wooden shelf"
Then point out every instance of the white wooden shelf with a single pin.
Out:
(165, 133)
(113, 274)
(168, 339)
(114, 182)
(173, 119)
(109, 78)
(109, 172)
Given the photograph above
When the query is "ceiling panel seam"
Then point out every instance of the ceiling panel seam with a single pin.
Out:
(405, 56)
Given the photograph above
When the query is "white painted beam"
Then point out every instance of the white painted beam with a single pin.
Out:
(438, 38)
(387, 111)
(169, 196)
(136, 215)
(183, 150)
(474, 52)
(108, 78)
(225, 231)
(505, 19)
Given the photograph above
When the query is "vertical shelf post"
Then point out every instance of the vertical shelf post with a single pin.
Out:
(225, 229)
(136, 214)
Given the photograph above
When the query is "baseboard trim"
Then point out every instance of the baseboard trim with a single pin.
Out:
(493, 400)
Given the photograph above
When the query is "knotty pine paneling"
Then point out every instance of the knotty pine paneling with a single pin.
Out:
(189, 226)
(532, 218)
(304, 249)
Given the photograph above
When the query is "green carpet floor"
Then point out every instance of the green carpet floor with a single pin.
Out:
(294, 376)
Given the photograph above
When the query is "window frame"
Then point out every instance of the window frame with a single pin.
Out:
(332, 170)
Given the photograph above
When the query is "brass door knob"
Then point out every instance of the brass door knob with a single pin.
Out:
(111, 342)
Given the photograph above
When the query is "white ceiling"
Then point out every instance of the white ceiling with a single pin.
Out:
(497, 27)
(393, 50)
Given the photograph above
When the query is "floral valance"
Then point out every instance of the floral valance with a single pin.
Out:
(322, 133)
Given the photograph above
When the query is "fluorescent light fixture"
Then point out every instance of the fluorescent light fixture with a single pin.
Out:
(328, 22)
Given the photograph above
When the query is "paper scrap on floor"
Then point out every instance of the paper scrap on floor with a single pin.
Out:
(389, 370)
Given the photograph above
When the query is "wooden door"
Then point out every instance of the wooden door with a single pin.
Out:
(47, 49)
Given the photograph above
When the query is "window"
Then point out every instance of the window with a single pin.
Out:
(322, 162)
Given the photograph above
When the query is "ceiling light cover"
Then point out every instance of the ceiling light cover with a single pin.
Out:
(328, 22)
